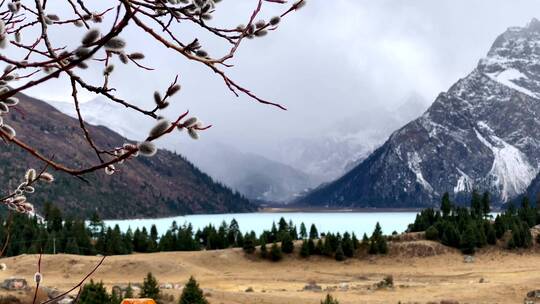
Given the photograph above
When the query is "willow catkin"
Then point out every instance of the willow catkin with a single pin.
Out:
(147, 148)
(161, 126)
(193, 134)
(190, 122)
(115, 44)
(46, 177)
(90, 37)
(110, 169)
(30, 175)
(3, 107)
(8, 131)
(11, 101)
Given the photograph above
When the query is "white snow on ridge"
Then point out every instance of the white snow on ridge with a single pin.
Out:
(511, 172)
(414, 166)
(507, 78)
(464, 183)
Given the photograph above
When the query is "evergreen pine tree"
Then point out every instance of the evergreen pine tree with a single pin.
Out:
(287, 245)
(264, 250)
(313, 232)
(432, 233)
(468, 240)
(347, 245)
(491, 235)
(339, 255)
(129, 292)
(446, 205)
(72, 247)
(329, 300)
(303, 231)
(311, 246)
(476, 204)
(327, 248)
(153, 244)
(355, 242)
(115, 297)
(365, 241)
(96, 224)
(192, 293)
(249, 245)
(150, 288)
(275, 253)
(283, 226)
(486, 204)
(94, 293)
(319, 248)
(304, 250)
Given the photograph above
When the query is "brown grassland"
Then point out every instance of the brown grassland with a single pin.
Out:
(423, 272)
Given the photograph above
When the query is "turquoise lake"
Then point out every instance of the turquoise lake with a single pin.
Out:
(357, 222)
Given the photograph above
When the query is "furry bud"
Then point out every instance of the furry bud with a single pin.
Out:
(115, 44)
(190, 122)
(147, 148)
(8, 131)
(193, 134)
(47, 177)
(38, 277)
(30, 175)
(11, 101)
(109, 170)
(3, 108)
(275, 20)
(161, 126)
(173, 90)
(90, 37)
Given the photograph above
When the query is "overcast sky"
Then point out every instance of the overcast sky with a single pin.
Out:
(330, 61)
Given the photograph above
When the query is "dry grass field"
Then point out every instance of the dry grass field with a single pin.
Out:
(424, 272)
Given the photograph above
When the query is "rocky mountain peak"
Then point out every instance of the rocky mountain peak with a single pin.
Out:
(483, 133)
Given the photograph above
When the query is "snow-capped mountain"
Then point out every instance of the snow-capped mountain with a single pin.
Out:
(348, 141)
(483, 133)
(101, 112)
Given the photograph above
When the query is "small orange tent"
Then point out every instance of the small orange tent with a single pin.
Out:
(138, 301)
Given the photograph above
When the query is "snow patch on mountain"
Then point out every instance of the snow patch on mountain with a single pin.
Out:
(511, 171)
(508, 78)
(414, 165)
(464, 183)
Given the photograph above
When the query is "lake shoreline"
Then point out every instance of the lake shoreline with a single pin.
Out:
(334, 210)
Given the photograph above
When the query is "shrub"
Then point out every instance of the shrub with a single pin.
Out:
(432, 233)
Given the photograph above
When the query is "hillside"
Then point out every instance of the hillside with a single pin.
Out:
(164, 185)
(483, 133)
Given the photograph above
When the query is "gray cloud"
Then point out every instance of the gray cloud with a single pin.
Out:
(331, 61)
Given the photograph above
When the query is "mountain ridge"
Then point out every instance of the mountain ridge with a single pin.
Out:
(480, 134)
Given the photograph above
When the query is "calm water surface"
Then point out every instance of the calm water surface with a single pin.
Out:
(357, 222)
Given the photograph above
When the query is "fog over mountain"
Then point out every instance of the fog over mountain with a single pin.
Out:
(337, 97)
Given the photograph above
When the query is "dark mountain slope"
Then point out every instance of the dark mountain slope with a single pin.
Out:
(164, 185)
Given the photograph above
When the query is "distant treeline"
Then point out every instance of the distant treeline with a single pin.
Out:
(471, 228)
(465, 228)
(57, 234)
